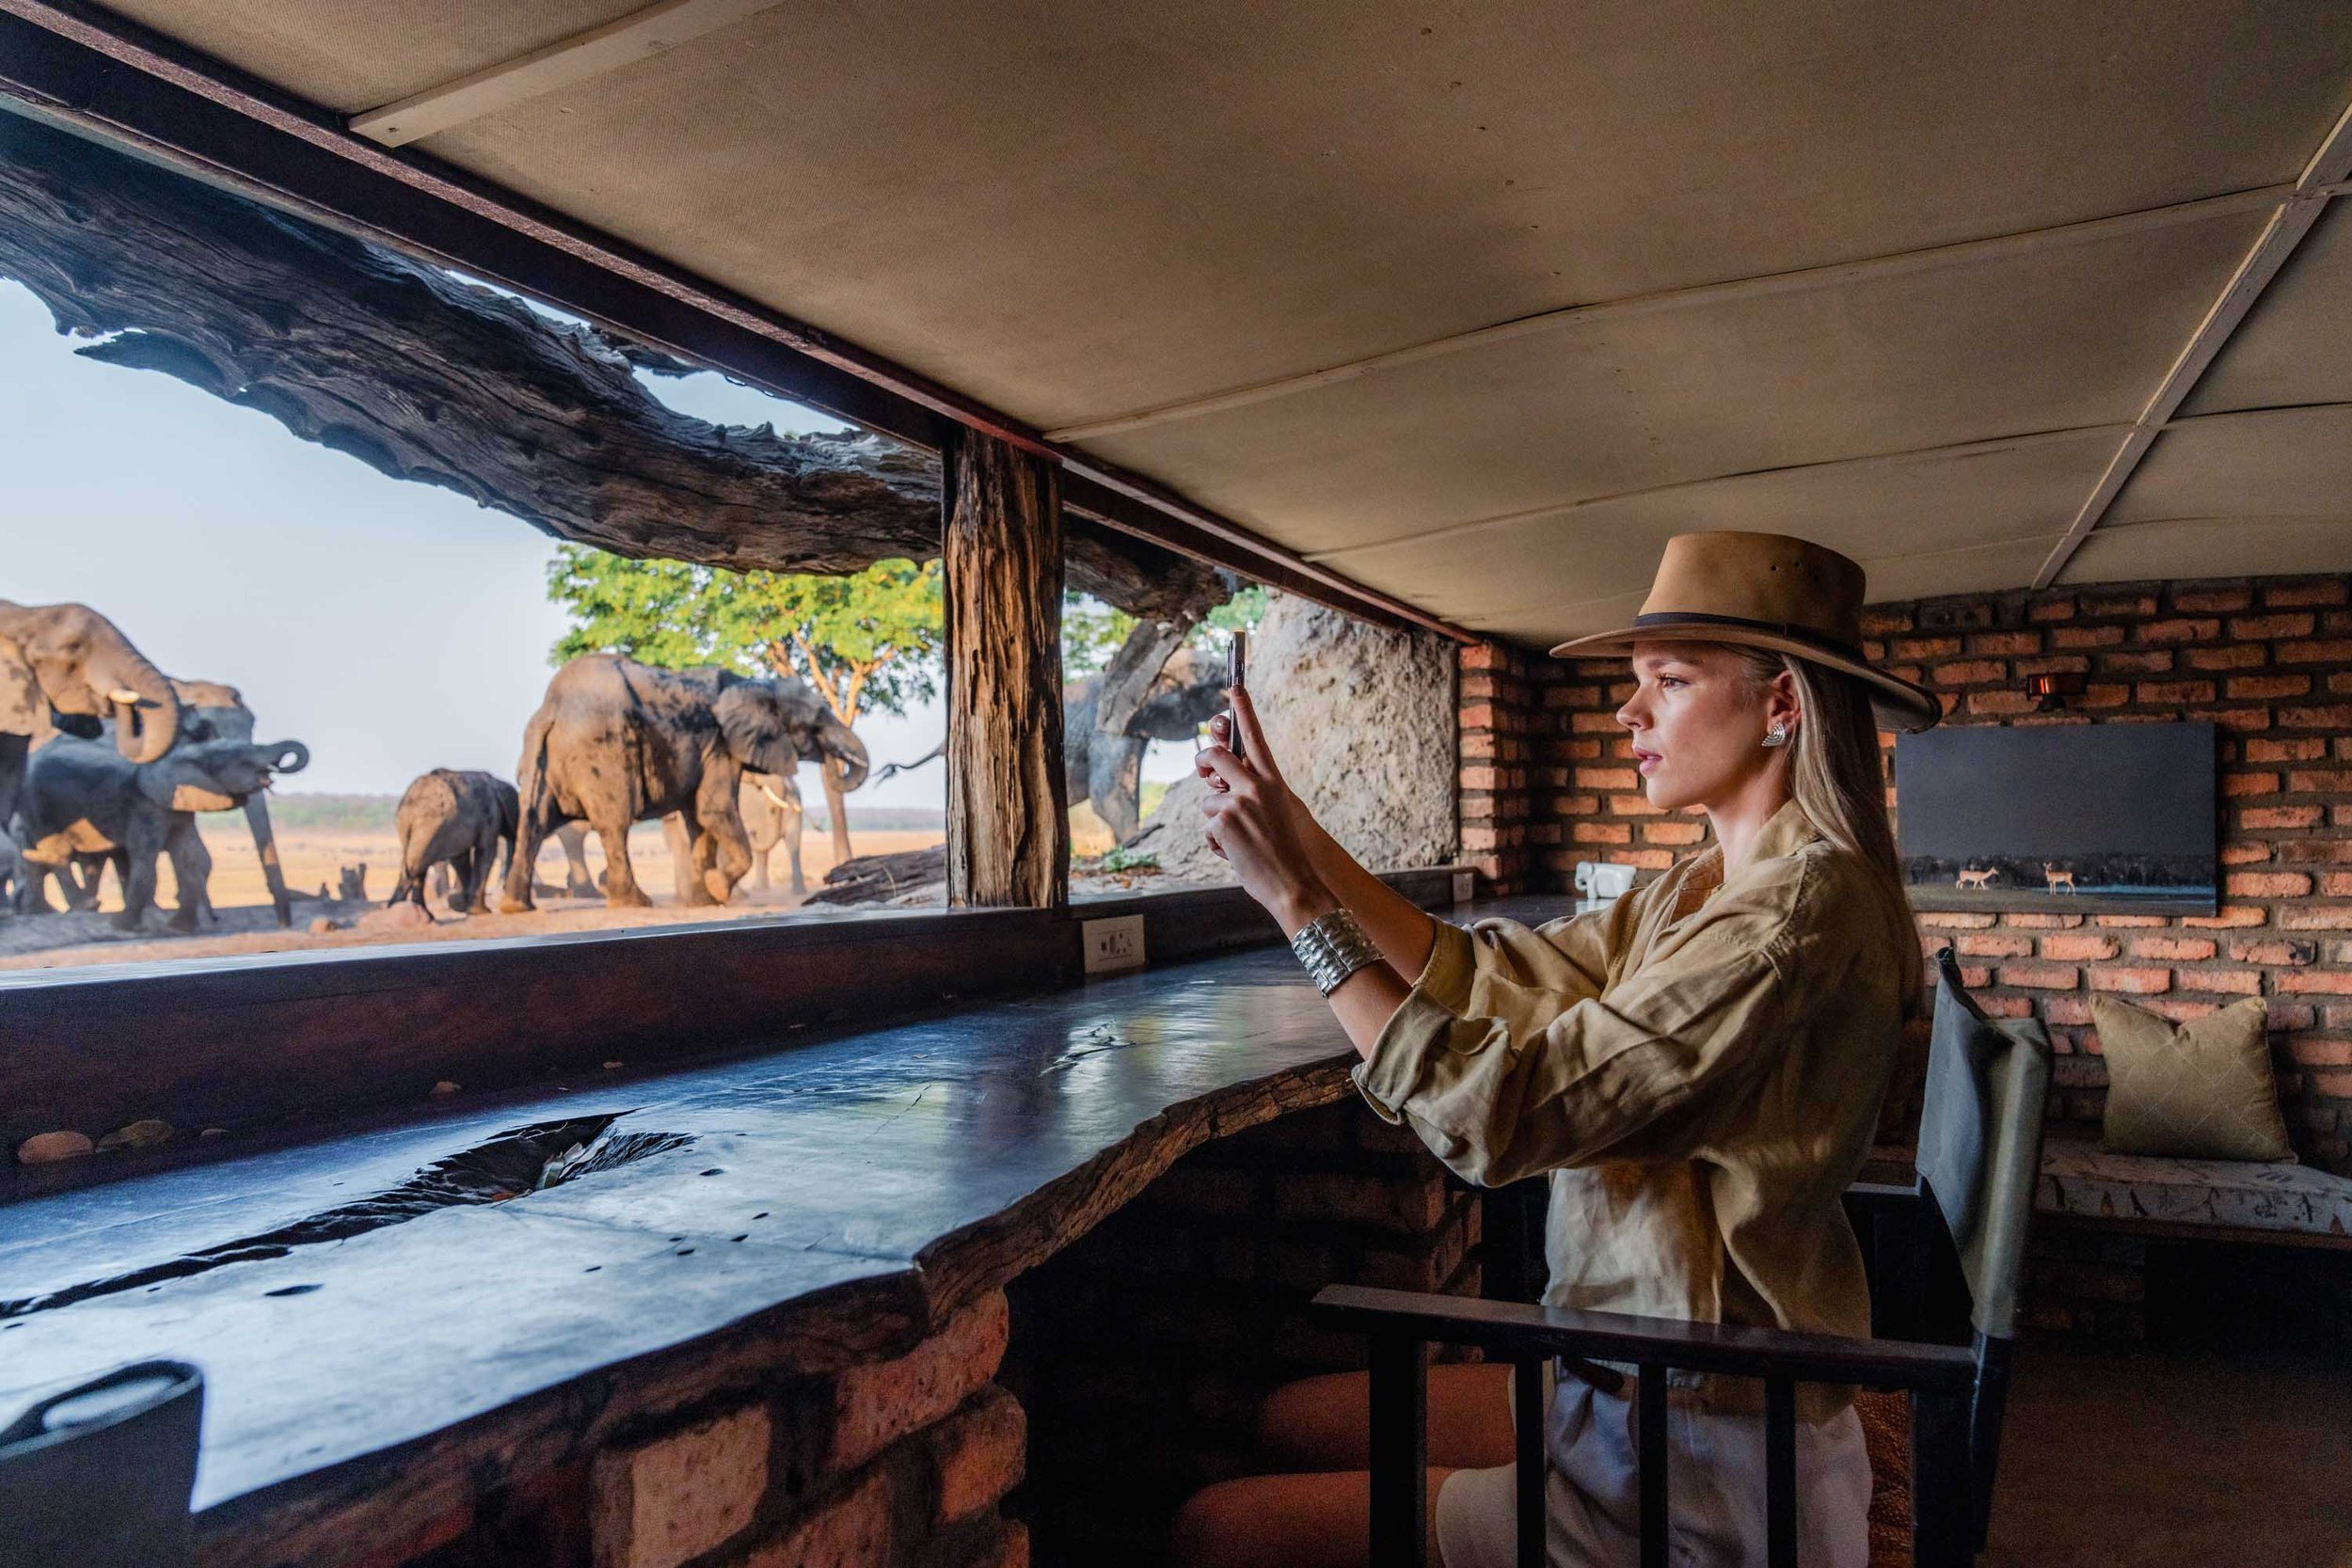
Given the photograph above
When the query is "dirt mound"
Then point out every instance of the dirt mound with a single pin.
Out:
(1361, 721)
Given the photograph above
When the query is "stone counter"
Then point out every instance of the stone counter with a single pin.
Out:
(785, 1221)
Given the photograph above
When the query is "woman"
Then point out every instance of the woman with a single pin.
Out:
(1698, 1069)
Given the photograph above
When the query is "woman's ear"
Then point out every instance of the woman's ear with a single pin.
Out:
(1781, 704)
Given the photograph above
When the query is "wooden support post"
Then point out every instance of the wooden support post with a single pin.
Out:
(1008, 803)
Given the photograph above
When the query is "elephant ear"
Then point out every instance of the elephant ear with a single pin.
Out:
(753, 722)
(24, 709)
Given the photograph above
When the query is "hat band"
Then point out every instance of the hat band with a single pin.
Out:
(1793, 632)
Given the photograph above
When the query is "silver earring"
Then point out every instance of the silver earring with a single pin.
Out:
(1778, 735)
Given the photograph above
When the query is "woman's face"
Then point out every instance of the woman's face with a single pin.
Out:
(1698, 720)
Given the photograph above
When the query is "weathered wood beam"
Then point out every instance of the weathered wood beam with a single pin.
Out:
(1008, 804)
(425, 376)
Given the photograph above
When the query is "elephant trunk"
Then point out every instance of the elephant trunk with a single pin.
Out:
(265, 846)
(849, 764)
(140, 698)
(287, 756)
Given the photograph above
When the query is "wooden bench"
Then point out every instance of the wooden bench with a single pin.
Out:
(2218, 1200)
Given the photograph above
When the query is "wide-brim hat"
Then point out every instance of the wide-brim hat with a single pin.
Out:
(1766, 591)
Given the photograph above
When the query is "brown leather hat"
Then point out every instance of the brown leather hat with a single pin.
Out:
(1766, 591)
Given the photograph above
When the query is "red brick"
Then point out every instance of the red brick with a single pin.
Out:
(1595, 724)
(1673, 833)
(2005, 643)
(2336, 884)
(2262, 628)
(2101, 695)
(2041, 976)
(2057, 664)
(1607, 778)
(878, 1404)
(2274, 952)
(2235, 982)
(2267, 884)
(2300, 749)
(1644, 859)
(2000, 701)
(2051, 610)
(2258, 818)
(2133, 921)
(2134, 982)
(2079, 947)
(1954, 921)
(2071, 1010)
(662, 1502)
(2184, 630)
(2086, 637)
(2179, 949)
(1602, 833)
(2320, 590)
(2319, 781)
(853, 1529)
(2326, 651)
(2045, 922)
(1969, 671)
(2320, 1050)
(1878, 621)
(2240, 785)
(2267, 686)
(1927, 647)
(2315, 917)
(2333, 1082)
(2226, 655)
(2156, 663)
(2209, 601)
(2137, 606)
(1575, 805)
(2173, 693)
(1476, 716)
(2336, 717)
(1484, 655)
(2325, 982)
(1995, 946)
(978, 1455)
(1634, 805)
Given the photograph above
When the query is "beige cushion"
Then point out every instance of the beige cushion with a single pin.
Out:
(2200, 1090)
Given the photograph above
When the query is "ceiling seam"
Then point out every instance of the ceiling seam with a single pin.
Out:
(1984, 446)
(1762, 285)
(2321, 181)
(567, 62)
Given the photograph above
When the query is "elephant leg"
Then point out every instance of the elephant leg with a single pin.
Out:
(32, 889)
(477, 877)
(683, 834)
(529, 833)
(191, 873)
(576, 882)
(722, 852)
(793, 821)
(145, 847)
(620, 878)
(78, 880)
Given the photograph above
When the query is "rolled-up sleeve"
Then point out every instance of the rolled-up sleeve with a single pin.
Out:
(1507, 1070)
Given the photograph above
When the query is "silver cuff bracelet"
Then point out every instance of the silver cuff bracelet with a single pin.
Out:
(1333, 946)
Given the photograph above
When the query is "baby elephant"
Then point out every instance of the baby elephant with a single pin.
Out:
(457, 819)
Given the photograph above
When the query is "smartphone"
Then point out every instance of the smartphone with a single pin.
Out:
(1236, 673)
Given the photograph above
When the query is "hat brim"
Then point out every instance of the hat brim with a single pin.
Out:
(1897, 702)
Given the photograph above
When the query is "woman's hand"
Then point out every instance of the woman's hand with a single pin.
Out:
(1253, 821)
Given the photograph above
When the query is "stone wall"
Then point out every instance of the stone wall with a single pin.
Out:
(895, 1463)
(1141, 1351)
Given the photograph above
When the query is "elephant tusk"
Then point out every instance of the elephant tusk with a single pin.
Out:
(124, 696)
(779, 800)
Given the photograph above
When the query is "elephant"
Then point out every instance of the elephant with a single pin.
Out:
(209, 711)
(454, 818)
(771, 816)
(1106, 768)
(83, 798)
(616, 742)
(64, 667)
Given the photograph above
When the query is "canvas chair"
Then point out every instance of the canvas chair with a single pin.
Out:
(1968, 1203)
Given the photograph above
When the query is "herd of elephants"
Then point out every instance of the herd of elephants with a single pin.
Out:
(106, 760)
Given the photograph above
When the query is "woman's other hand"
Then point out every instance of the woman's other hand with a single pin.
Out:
(1253, 820)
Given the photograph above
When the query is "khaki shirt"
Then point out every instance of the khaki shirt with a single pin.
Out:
(1698, 1068)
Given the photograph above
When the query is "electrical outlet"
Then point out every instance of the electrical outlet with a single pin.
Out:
(1112, 945)
(1465, 886)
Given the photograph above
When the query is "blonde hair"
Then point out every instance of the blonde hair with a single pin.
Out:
(1840, 781)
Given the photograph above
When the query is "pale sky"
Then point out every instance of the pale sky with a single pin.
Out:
(392, 627)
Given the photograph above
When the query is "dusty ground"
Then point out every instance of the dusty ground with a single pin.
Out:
(313, 859)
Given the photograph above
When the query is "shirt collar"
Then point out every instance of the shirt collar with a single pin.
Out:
(1786, 832)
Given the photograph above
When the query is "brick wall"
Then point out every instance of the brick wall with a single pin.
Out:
(2268, 662)
(1142, 1351)
(1501, 832)
(895, 1463)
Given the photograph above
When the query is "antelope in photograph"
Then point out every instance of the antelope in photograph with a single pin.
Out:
(2056, 880)
(1975, 877)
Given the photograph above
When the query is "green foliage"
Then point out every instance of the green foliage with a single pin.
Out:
(1091, 630)
(868, 640)
(1124, 859)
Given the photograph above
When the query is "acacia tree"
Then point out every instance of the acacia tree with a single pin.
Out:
(868, 641)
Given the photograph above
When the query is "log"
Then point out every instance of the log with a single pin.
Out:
(425, 376)
(870, 878)
(1008, 806)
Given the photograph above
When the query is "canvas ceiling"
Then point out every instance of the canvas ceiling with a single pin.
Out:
(1173, 234)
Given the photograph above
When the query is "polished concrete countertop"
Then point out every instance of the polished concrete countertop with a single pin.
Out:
(890, 1158)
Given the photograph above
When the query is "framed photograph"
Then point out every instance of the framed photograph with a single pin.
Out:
(2114, 817)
